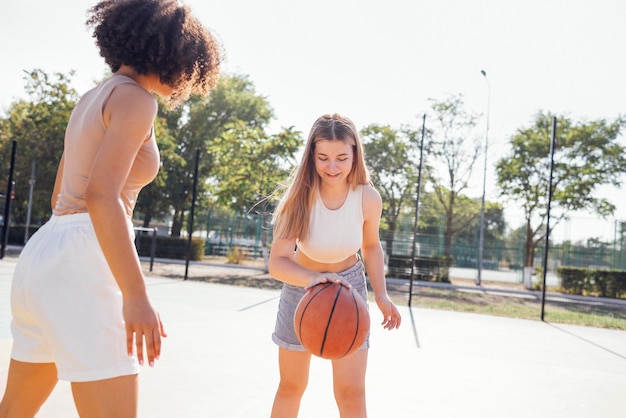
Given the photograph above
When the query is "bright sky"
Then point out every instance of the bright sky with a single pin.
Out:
(377, 62)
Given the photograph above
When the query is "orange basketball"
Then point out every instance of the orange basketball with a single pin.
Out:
(331, 321)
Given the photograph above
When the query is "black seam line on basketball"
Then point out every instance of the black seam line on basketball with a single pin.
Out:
(330, 318)
(321, 289)
(358, 319)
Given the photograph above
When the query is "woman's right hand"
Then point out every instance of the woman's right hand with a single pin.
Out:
(325, 278)
(144, 324)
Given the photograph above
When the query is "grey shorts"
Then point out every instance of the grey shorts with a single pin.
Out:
(284, 333)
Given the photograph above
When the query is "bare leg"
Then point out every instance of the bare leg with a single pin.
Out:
(28, 387)
(349, 384)
(116, 397)
(294, 377)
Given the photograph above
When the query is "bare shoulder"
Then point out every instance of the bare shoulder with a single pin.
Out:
(131, 99)
(371, 200)
(370, 194)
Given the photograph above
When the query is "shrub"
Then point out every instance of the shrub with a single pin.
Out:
(236, 255)
(425, 268)
(593, 282)
(170, 247)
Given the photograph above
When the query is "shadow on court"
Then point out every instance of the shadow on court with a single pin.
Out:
(219, 361)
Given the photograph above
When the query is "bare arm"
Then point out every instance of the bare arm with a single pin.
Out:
(283, 267)
(130, 113)
(373, 257)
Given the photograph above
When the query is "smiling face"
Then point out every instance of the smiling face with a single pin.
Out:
(333, 160)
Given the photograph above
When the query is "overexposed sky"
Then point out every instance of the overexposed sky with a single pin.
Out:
(377, 62)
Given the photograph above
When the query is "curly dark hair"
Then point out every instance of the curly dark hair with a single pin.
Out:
(159, 37)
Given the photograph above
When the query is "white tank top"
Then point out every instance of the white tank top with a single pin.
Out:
(335, 235)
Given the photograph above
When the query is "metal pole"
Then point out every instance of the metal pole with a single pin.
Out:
(31, 184)
(138, 233)
(614, 263)
(481, 240)
(417, 206)
(193, 206)
(547, 242)
(207, 248)
(153, 247)
(621, 244)
(7, 203)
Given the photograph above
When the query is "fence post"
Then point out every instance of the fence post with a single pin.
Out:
(154, 231)
(153, 246)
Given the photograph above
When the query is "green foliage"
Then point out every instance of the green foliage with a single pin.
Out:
(249, 164)
(587, 156)
(37, 124)
(172, 247)
(425, 268)
(468, 237)
(596, 315)
(387, 152)
(236, 255)
(196, 126)
(455, 149)
(154, 199)
(593, 282)
(241, 164)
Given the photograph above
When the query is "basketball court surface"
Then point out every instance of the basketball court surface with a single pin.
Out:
(219, 361)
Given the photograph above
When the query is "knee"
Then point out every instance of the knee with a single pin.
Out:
(351, 395)
(291, 388)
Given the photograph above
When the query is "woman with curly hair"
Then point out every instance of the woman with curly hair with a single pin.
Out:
(80, 308)
(329, 213)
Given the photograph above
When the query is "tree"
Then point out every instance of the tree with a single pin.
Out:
(391, 157)
(587, 156)
(455, 149)
(195, 126)
(154, 199)
(38, 125)
(494, 236)
(249, 165)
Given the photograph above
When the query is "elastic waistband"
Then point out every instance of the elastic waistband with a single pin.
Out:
(357, 266)
(77, 219)
(71, 219)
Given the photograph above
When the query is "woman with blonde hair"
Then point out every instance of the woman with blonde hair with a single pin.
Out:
(329, 213)
(79, 303)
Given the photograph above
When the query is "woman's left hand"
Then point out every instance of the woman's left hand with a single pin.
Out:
(391, 315)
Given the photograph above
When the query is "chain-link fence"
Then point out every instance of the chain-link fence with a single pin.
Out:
(503, 283)
(503, 259)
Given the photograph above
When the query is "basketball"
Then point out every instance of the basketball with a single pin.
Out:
(331, 321)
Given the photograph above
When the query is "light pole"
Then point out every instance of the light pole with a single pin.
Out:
(482, 203)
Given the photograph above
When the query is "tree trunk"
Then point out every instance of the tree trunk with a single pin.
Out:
(177, 222)
(529, 258)
(447, 238)
(146, 220)
(529, 254)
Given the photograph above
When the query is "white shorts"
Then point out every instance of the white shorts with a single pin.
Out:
(67, 306)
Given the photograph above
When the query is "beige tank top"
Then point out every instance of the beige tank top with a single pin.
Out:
(335, 235)
(84, 134)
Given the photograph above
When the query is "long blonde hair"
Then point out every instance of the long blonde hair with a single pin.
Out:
(291, 217)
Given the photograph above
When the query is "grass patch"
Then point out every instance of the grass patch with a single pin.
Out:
(528, 307)
(523, 306)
